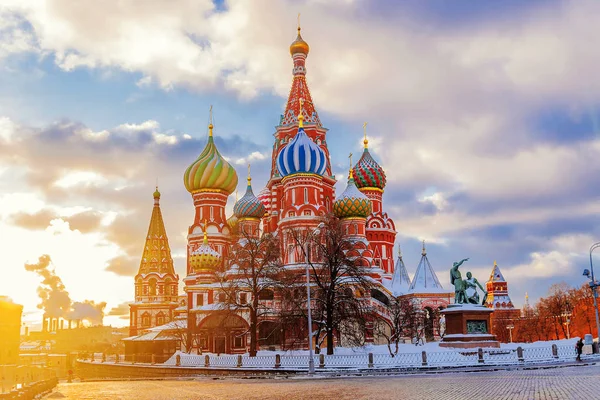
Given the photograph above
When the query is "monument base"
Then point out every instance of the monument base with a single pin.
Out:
(468, 326)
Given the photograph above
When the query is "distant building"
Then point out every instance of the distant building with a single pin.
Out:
(156, 284)
(10, 331)
(498, 298)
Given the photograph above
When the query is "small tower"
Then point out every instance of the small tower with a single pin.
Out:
(381, 231)
(497, 289)
(156, 284)
(498, 299)
(400, 280)
(210, 180)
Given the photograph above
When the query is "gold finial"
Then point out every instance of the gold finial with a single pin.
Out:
(350, 175)
(249, 178)
(205, 235)
(495, 263)
(210, 121)
(526, 296)
(300, 116)
(298, 22)
(236, 196)
(399, 251)
(424, 252)
(365, 141)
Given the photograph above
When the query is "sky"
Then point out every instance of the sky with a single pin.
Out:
(483, 114)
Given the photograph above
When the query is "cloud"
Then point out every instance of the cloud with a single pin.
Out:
(121, 311)
(85, 222)
(453, 113)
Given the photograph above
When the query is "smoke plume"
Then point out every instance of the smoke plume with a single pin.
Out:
(55, 300)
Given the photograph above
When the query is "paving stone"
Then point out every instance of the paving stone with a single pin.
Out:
(578, 382)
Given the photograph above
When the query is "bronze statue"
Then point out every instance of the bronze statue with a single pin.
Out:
(460, 296)
(471, 294)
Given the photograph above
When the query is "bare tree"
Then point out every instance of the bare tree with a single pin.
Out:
(403, 320)
(339, 278)
(254, 265)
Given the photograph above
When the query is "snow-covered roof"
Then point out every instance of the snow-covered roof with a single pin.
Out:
(400, 280)
(496, 275)
(425, 279)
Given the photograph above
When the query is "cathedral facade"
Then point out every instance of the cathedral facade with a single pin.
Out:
(299, 194)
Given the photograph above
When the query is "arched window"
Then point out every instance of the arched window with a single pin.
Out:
(377, 295)
(266, 294)
(152, 285)
(160, 319)
(145, 320)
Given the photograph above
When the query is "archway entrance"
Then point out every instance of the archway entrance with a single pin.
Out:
(222, 333)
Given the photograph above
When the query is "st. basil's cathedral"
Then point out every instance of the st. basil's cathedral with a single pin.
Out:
(299, 193)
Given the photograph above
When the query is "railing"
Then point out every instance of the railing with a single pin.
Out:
(449, 358)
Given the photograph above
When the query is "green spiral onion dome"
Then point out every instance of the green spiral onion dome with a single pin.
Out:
(352, 203)
(210, 172)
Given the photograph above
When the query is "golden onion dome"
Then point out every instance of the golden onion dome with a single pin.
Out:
(299, 45)
(204, 258)
(156, 194)
(210, 172)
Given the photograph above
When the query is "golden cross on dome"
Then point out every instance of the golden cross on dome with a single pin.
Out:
(365, 141)
(249, 179)
(350, 173)
(210, 121)
(298, 21)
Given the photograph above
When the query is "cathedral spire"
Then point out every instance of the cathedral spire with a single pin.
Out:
(299, 90)
(157, 254)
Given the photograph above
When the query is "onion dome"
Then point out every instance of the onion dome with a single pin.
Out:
(367, 173)
(156, 194)
(265, 198)
(204, 257)
(301, 154)
(299, 45)
(352, 203)
(210, 172)
(249, 206)
(233, 222)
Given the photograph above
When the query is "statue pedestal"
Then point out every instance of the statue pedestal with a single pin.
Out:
(468, 326)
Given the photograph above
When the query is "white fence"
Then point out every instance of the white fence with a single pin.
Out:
(451, 358)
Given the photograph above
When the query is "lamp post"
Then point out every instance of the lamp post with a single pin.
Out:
(311, 360)
(593, 285)
(510, 328)
(567, 317)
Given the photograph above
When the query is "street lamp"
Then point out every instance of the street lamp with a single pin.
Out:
(593, 285)
(311, 360)
(510, 328)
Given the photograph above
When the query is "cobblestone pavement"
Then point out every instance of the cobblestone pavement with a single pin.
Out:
(580, 382)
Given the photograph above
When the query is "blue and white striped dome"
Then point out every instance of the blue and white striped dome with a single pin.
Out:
(301, 155)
